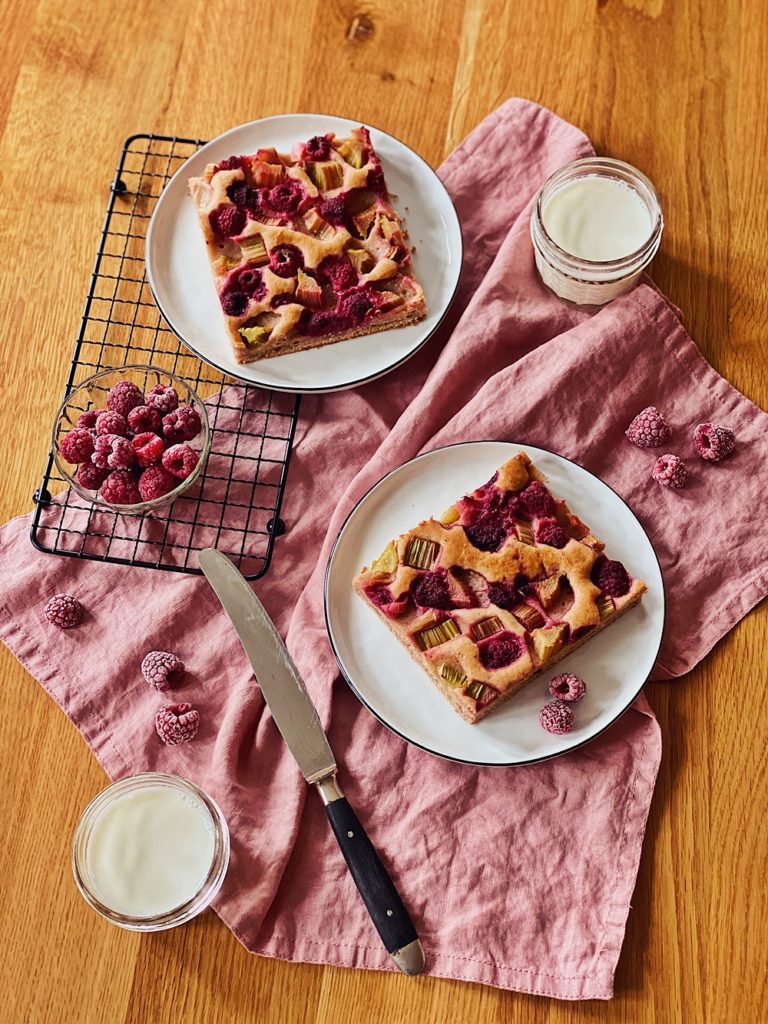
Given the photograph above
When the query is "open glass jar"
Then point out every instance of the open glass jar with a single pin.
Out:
(595, 281)
(150, 852)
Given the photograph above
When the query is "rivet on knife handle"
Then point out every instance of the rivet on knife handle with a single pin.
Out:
(372, 880)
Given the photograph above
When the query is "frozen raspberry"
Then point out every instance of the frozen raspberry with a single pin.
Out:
(500, 650)
(180, 460)
(670, 471)
(155, 482)
(232, 163)
(227, 221)
(338, 271)
(375, 180)
(177, 723)
(112, 452)
(548, 531)
(123, 397)
(183, 424)
(234, 303)
(431, 590)
(334, 210)
(250, 281)
(286, 197)
(353, 307)
(120, 488)
(537, 501)
(712, 442)
(162, 670)
(148, 448)
(87, 420)
(64, 611)
(611, 576)
(503, 594)
(567, 687)
(77, 446)
(162, 398)
(317, 148)
(90, 476)
(648, 429)
(109, 422)
(324, 322)
(144, 418)
(556, 717)
(285, 260)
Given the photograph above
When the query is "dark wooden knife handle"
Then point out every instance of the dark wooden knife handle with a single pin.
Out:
(374, 884)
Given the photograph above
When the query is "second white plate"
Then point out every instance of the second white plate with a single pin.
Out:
(179, 273)
(615, 664)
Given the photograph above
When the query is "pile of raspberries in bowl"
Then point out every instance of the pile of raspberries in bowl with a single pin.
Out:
(132, 438)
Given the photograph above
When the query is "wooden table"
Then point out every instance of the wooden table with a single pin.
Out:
(679, 89)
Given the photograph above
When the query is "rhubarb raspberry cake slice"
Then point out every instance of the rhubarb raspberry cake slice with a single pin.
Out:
(306, 248)
(501, 587)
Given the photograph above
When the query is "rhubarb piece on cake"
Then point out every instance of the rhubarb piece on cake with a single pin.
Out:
(502, 586)
(306, 249)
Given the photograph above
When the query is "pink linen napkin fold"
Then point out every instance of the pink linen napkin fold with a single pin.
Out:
(519, 878)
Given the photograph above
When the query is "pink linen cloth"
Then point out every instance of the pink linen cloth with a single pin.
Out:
(515, 877)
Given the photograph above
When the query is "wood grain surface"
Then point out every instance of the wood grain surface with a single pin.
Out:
(679, 88)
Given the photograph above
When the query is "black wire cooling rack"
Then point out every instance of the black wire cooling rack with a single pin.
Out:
(235, 505)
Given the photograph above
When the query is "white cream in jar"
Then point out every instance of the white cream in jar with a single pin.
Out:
(150, 851)
(596, 225)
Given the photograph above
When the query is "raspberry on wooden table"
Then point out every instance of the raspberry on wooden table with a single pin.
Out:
(177, 723)
(64, 611)
(162, 669)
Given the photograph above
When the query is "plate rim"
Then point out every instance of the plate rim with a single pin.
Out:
(467, 761)
(305, 390)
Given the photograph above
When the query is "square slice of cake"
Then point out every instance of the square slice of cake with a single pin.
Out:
(502, 586)
(306, 248)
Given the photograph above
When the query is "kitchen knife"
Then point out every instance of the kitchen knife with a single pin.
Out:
(296, 718)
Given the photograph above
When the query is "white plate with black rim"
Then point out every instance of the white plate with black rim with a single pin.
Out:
(180, 277)
(615, 663)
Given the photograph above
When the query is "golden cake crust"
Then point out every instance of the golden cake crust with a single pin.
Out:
(280, 313)
(551, 614)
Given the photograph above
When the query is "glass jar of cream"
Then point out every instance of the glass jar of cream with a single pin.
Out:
(150, 852)
(596, 225)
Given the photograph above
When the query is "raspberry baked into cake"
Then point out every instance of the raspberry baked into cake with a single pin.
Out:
(502, 586)
(306, 249)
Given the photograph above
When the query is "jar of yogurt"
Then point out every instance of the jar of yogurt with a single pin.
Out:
(150, 852)
(596, 225)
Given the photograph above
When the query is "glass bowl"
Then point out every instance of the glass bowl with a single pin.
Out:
(92, 394)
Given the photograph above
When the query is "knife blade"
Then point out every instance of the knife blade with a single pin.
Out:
(296, 718)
